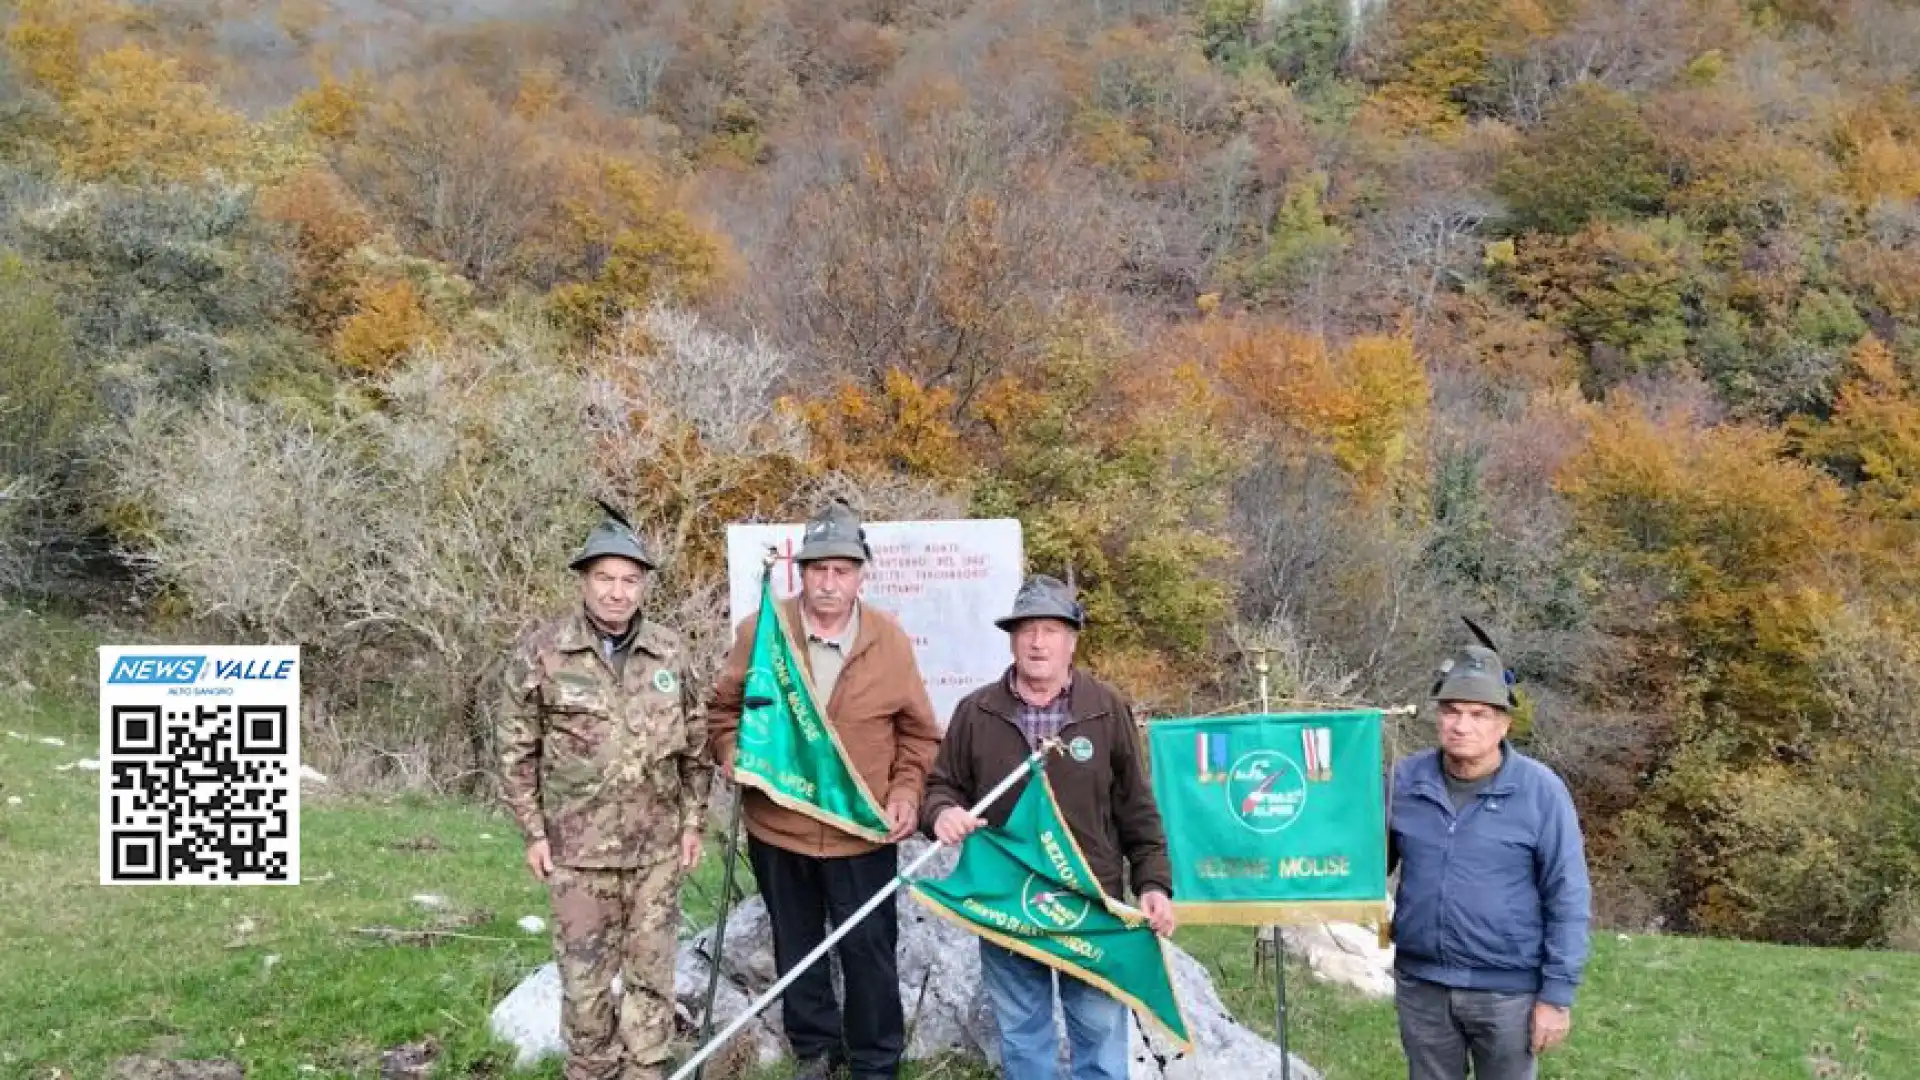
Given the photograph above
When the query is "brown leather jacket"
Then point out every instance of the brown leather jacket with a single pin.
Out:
(879, 708)
(1102, 789)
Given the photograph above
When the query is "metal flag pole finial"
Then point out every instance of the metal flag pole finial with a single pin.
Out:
(1261, 666)
(1263, 669)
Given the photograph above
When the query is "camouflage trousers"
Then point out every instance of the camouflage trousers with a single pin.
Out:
(623, 922)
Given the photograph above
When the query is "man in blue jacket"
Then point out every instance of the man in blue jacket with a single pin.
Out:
(1490, 917)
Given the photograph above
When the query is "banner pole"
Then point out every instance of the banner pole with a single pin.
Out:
(1280, 1018)
(754, 1009)
(1261, 666)
(718, 958)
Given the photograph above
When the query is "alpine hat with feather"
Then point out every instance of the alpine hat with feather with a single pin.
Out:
(834, 533)
(1476, 673)
(613, 536)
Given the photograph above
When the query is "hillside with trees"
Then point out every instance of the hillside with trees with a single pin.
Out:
(1303, 324)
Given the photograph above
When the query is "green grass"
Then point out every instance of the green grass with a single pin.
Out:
(90, 973)
(1659, 1008)
(93, 973)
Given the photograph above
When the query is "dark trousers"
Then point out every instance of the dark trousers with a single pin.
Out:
(802, 893)
(1442, 1029)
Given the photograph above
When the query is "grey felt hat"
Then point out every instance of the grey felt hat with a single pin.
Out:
(834, 533)
(613, 536)
(1475, 673)
(1043, 597)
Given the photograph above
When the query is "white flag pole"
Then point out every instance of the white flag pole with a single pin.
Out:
(844, 928)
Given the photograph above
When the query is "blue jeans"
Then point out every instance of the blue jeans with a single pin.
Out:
(1021, 993)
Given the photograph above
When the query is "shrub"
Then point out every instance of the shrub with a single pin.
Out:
(136, 266)
(406, 547)
(434, 528)
(1774, 853)
(1594, 158)
(48, 405)
(1798, 858)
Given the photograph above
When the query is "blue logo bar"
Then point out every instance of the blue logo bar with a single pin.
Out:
(162, 670)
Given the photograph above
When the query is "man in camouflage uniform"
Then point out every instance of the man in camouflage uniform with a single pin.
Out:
(602, 746)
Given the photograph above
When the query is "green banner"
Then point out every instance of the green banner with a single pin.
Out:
(1274, 818)
(787, 749)
(1027, 887)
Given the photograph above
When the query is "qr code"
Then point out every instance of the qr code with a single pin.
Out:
(200, 793)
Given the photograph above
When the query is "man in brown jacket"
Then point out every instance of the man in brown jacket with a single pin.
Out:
(862, 664)
(1104, 797)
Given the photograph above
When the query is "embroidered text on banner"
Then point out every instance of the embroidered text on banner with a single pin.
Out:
(787, 749)
(1027, 887)
(1274, 819)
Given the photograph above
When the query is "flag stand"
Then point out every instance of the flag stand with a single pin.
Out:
(1280, 1012)
(698, 1061)
(1261, 666)
(725, 909)
(1277, 931)
(718, 956)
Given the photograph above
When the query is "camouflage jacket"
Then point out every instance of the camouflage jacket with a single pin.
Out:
(608, 770)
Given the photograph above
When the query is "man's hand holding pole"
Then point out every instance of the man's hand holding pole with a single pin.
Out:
(773, 992)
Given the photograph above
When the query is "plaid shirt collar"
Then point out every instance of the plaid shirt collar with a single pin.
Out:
(1039, 722)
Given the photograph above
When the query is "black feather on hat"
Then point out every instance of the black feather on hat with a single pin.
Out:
(1476, 673)
(616, 515)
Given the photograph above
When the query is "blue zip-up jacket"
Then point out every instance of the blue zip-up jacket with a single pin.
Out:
(1498, 897)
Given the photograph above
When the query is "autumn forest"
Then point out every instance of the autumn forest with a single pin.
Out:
(1301, 325)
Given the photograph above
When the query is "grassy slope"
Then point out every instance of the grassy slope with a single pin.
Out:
(88, 974)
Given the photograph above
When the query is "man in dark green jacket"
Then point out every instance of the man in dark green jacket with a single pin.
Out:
(1104, 796)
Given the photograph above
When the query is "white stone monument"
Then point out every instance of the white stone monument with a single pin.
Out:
(946, 581)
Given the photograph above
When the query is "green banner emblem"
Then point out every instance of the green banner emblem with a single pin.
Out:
(1274, 819)
(787, 749)
(1028, 888)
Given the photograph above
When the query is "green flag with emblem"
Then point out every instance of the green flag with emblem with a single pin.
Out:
(1274, 818)
(787, 749)
(1027, 887)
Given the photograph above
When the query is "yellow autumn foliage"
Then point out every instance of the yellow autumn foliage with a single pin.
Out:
(50, 39)
(135, 116)
(331, 110)
(901, 426)
(542, 89)
(1872, 440)
(389, 321)
(1364, 403)
(654, 249)
(1750, 545)
(326, 224)
(1877, 143)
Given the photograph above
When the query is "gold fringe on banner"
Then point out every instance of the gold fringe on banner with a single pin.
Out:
(1289, 913)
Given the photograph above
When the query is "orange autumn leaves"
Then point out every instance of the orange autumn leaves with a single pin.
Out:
(1363, 402)
(383, 188)
(1119, 458)
(1754, 537)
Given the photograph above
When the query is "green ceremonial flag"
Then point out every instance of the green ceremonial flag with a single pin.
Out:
(1274, 819)
(787, 749)
(1027, 887)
